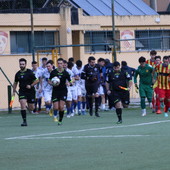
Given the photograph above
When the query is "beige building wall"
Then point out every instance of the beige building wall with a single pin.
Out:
(74, 34)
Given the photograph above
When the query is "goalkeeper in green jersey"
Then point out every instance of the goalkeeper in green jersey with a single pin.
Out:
(145, 72)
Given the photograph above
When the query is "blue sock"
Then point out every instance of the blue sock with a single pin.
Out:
(79, 105)
(39, 104)
(83, 105)
(68, 110)
(71, 108)
(75, 104)
(55, 112)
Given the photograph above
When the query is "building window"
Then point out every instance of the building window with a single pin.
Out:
(21, 40)
(97, 37)
(152, 39)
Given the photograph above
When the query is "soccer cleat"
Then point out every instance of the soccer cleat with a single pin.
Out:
(97, 115)
(24, 124)
(68, 116)
(55, 119)
(158, 112)
(83, 112)
(59, 123)
(79, 112)
(119, 122)
(91, 112)
(143, 112)
(166, 114)
(51, 112)
(72, 114)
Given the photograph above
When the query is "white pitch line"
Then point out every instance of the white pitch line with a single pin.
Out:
(85, 130)
(82, 137)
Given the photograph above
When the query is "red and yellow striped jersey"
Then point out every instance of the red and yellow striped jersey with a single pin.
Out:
(151, 62)
(163, 77)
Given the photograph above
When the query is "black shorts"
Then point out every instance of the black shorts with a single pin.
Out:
(29, 96)
(92, 88)
(58, 95)
(123, 96)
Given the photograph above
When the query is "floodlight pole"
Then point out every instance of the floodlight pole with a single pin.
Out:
(32, 31)
(114, 58)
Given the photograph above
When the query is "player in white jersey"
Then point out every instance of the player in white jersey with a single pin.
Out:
(72, 89)
(47, 88)
(38, 88)
(81, 91)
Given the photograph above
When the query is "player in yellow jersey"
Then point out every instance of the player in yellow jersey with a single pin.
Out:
(163, 78)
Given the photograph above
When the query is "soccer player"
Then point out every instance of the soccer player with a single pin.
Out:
(151, 61)
(38, 88)
(27, 80)
(91, 75)
(47, 88)
(81, 91)
(102, 86)
(156, 105)
(163, 79)
(59, 92)
(145, 72)
(118, 84)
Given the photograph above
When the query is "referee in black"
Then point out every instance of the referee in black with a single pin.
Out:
(26, 79)
(118, 86)
(91, 74)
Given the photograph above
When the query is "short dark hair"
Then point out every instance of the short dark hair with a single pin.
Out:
(101, 59)
(157, 57)
(91, 58)
(70, 65)
(65, 62)
(23, 59)
(79, 63)
(60, 59)
(44, 59)
(34, 62)
(50, 62)
(142, 59)
(165, 57)
(153, 52)
(71, 59)
(124, 63)
(116, 63)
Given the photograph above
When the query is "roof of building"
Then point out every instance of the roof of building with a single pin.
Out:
(122, 7)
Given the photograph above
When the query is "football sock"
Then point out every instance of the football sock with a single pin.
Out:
(23, 114)
(55, 113)
(79, 105)
(142, 102)
(97, 100)
(83, 105)
(90, 101)
(35, 104)
(119, 113)
(61, 114)
(68, 110)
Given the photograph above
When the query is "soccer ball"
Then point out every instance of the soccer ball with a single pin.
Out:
(55, 81)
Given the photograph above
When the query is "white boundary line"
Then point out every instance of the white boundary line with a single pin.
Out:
(83, 137)
(85, 130)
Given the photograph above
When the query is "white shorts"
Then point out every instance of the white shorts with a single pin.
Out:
(72, 94)
(100, 90)
(38, 94)
(47, 95)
